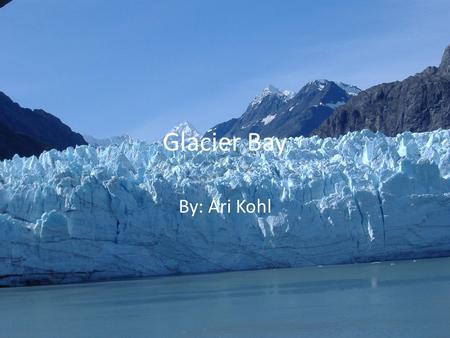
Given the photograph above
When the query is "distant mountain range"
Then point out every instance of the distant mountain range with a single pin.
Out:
(29, 132)
(284, 113)
(418, 103)
(104, 142)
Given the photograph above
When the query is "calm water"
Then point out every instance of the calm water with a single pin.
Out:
(401, 299)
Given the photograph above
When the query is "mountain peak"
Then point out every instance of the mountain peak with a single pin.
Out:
(349, 89)
(186, 127)
(444, 67)
(320, 85)
(271, 90)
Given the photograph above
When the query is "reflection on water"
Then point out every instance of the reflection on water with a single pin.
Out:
(402, 299)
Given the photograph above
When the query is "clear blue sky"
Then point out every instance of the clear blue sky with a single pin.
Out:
(110, 67)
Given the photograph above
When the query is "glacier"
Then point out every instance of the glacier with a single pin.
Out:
(100, 213)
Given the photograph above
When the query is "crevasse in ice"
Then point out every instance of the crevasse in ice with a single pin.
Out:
(97, 213)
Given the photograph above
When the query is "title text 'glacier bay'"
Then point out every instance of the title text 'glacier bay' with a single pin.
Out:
(174, 141)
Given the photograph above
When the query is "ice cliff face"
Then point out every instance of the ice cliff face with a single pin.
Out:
(97, 213)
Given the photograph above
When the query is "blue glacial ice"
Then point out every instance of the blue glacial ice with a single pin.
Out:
(94, 213)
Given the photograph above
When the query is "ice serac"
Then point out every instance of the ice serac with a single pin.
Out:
(94, 213)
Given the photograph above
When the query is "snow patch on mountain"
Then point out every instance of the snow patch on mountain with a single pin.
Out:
(335, 104)
(93, 213)
(268, 119)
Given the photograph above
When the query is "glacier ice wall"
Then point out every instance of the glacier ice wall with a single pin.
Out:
(108, 212)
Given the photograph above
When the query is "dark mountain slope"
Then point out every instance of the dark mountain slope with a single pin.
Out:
(4, 2)
(418, 103)
(29, 132)
(14, 143)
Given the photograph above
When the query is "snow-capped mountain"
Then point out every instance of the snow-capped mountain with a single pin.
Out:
(95, 213)
(187, 128)
(284, 113)
(349, 89)
(271, 91)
